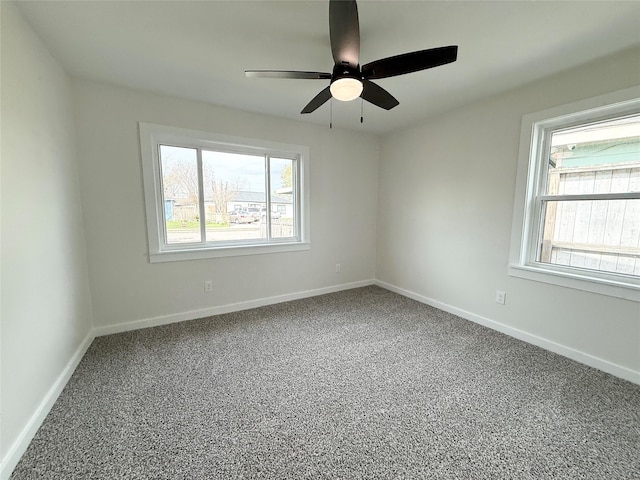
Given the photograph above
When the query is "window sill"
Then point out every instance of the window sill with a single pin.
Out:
(627, 290)
(231, 251)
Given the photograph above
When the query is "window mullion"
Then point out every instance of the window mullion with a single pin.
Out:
(203, 225)
(297, 199)
(267, 213)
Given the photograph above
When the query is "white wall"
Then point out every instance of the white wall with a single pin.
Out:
(127, 288)
(45, 298)
(454, 179)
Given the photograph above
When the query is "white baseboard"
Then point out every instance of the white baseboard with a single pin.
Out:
(19, 446)
(228, 308)
(573, 354)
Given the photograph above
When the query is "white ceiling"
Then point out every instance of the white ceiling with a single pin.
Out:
(200, 49)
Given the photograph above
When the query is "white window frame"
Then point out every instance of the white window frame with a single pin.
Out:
(530, 182)
(153, 135)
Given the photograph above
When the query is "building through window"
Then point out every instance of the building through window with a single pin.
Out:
(590, 213)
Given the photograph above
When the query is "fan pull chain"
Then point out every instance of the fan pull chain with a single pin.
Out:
(361, 110)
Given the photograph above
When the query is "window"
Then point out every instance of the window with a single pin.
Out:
(207, 195)
(577, 215)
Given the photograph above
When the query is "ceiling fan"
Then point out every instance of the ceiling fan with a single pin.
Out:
(349, 80)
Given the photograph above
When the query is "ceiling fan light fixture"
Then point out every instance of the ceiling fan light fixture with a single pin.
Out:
(346, 89)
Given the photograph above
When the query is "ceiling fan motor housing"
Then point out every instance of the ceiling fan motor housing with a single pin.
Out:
(345, 71)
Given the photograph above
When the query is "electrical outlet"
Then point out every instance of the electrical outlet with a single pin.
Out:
(338, 268)
(500, 297)
(208, 286)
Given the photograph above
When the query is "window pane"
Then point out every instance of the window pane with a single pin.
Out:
(598, 158)
(283, 189)
(234, 196)
(601, 235)
(179, 167)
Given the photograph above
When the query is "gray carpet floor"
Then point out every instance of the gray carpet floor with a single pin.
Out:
(359, 384)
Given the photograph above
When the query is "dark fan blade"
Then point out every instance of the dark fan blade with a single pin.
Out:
(378, 95)
(410, 62)
(317, 101)
(287, 74)
(344, 30)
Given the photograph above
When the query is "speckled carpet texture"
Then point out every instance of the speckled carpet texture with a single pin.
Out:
(360, 384)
